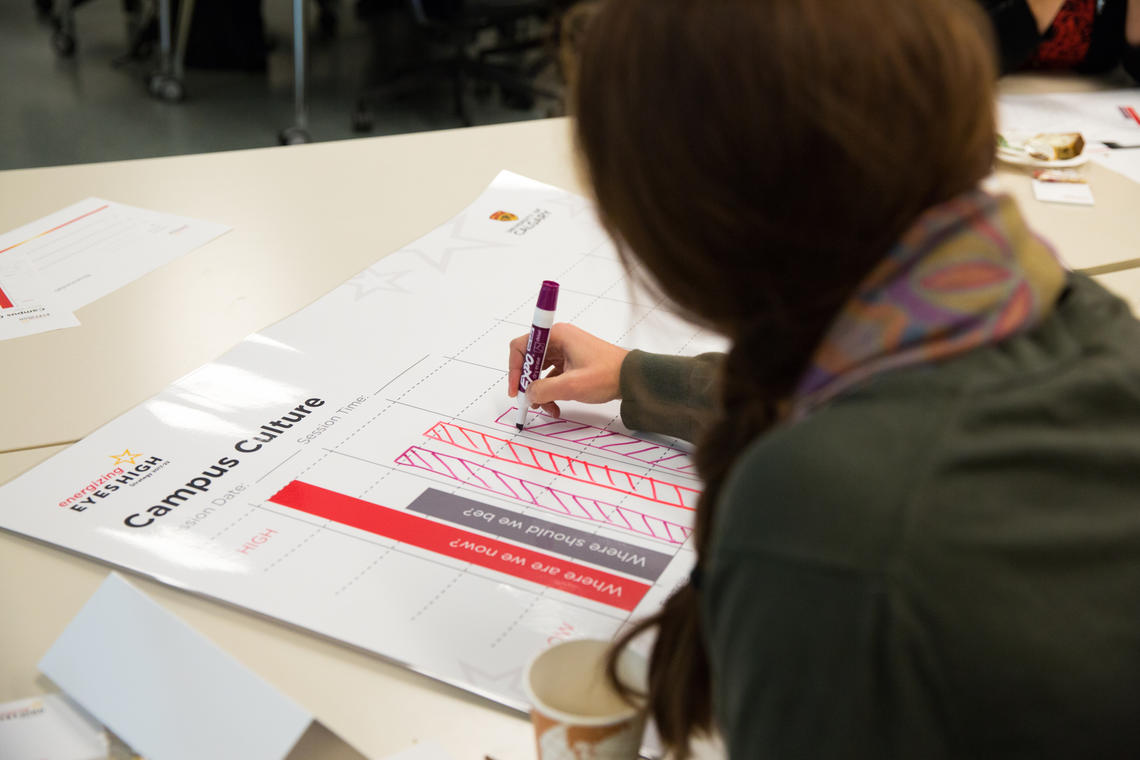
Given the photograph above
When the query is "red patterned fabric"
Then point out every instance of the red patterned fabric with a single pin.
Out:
(1068, 44)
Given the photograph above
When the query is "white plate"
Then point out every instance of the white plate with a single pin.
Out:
(1020, 158)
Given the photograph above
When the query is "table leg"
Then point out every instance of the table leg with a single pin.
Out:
(299, 132)
(166, 83)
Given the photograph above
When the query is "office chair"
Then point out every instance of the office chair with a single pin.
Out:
(164, 83)
(61, 16)
(456, 26)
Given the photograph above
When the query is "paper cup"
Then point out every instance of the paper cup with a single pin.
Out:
(575, 712)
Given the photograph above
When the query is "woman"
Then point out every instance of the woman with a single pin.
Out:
(920, 530)
(1088, 36)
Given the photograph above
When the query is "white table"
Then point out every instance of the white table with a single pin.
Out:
(1125, 284)
(305, 219)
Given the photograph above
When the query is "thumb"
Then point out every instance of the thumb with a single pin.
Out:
(562, 387)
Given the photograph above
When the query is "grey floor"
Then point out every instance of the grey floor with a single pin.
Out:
(58, 111)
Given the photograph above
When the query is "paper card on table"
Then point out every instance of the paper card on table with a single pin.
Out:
(94, 247)
(169, 692)
(1063, 192)
(49, 727)
(27, 306)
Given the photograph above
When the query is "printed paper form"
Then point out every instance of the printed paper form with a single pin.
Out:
(26, 305)
(96, 246)
(1096, 115)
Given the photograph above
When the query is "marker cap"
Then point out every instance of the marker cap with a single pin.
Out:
(548, 295)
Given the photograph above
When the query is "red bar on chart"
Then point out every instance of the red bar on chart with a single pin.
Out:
(5, 301)
(517, 561)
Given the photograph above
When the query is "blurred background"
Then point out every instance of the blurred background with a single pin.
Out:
(92, 80)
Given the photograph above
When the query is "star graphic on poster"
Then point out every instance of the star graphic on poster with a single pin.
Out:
(441, 260)
(370, 282)
(508, 680)
(575, 204)
(126, 457)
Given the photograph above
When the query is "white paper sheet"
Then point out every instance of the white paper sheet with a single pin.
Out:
(49, 727)
(27, 306)
(165, 689)
(1096, 115)
(1126, 162)
(96, 246)
(354, 469)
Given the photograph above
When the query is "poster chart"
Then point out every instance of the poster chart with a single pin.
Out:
(64, 261)
(355, 470)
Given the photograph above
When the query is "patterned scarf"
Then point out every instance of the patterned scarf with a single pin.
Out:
(968, 273)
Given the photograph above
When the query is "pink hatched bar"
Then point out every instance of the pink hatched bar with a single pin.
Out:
(546, 497)
(641, 486)
(572, 431)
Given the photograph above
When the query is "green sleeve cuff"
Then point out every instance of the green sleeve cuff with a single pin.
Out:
(669, 395)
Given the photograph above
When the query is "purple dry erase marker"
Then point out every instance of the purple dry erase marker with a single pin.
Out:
(536, 344)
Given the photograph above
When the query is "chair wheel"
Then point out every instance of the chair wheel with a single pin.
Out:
(62, 43)
(293, 136)
(166, 87)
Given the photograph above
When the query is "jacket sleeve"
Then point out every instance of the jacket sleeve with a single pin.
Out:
(1015, 30)
(669, 395)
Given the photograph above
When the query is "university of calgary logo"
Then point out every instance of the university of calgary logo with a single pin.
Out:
(504, 216)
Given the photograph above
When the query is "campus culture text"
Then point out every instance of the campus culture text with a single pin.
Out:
(203, 481)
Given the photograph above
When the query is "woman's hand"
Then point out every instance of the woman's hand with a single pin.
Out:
(586, 368)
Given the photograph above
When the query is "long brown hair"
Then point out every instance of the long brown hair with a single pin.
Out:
(756, 158)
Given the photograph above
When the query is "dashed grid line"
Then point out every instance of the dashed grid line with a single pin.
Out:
(362, 573)
(514, 623)
(308, 538)
(235, 522)
(435, 598)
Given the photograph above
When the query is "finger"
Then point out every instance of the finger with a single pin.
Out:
(551, 409)
(560, 387)
(514, 364)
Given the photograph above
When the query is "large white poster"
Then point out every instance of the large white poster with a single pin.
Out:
(355, 469)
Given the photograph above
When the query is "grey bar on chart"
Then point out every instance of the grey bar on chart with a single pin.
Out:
(542, 534)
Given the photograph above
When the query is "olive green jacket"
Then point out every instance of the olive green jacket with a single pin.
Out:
(941, 562)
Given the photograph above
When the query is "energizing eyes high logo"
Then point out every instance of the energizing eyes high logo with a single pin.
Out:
(504, 216)
(130, 468)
